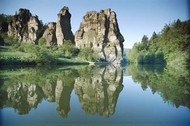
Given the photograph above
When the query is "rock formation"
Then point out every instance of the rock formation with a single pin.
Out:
(19, 24)
(49, 34)
(100, 32)
(32, 35)
(63, 26)
(25, 27)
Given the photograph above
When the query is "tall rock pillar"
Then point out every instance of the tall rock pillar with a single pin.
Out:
(63, 26)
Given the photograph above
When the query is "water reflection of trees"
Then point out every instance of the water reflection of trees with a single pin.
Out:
(173, 84)
(97, 88)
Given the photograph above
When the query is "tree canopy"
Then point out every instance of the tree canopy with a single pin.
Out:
(171, 46)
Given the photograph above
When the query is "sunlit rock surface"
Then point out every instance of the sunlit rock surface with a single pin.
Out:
(100, 32)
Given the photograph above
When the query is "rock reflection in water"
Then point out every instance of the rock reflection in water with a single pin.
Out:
(99, 92)
(23, 97)
(63, 95)
(97, 88)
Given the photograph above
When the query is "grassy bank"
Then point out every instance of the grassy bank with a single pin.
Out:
(35, 55)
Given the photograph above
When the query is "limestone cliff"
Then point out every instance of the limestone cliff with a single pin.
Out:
(63, 26)
(25, 27)
(100, 32)
(19, 24)
(49, 34)
(33, 32)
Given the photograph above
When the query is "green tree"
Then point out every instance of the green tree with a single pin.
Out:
(170, 46)
(144, 41)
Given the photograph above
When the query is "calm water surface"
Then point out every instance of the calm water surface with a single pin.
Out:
(84, 95)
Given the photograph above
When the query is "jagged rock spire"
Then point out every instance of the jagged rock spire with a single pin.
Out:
(63, 26)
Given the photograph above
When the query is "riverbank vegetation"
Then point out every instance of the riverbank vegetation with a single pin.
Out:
(19, 53)
(14, 52)
(171, 46)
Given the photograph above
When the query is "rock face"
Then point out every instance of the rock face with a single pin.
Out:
(49, 34)
(25, 27)
(32, 35)
(63, 26)
(19, 23)
(100, 32)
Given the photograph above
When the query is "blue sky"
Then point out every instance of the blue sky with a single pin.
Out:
(135, 17)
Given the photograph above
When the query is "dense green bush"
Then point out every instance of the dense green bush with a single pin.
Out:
(159, 58)
(8, 40)
(41, 41)
(88, 54)
(40, 54)
(151, 58)
(1, 41)
(69, 49)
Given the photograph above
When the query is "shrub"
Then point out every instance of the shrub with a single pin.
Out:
(43, 57)
(69, 49)
(88, 54)
(149, 58)
(159, 58)
(140, 59)
(1, 41)
(41, 41)
(9, 40)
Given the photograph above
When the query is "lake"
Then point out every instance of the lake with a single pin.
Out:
(94, 95)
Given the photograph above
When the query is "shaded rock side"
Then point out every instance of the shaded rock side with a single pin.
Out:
(19, 24)
(49, 34)
(100, 32)
(63, 26)
(25, 27)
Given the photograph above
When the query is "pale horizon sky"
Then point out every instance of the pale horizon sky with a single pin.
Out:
(135, 17)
